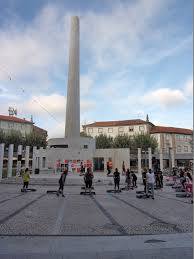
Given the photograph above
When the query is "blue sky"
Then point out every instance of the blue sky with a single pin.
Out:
(135, 59)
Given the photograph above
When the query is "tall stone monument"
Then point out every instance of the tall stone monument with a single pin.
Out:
(72, 146)
(72, 125)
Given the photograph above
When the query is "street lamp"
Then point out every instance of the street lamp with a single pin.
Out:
(146, 152)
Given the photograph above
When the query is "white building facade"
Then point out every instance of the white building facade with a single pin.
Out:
(9, 123)
(115, 128)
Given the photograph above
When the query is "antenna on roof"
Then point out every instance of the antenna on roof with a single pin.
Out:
(12, 111)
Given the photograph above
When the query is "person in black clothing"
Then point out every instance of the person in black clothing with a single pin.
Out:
(116, 178)
(157, 177)
(134, 178)
(144, 179)
(182, 178)
(88, 177)
(62, 182)
(82, 169)
(128, 178)
(160, 175)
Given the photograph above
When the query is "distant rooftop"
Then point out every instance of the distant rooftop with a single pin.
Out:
(14, 119)
(116, 123)
(163, 129)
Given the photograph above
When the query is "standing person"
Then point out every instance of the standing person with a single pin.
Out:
(128, 178)
(157, 177)
(88, 177)
(82, 169)
(144, 179)
(116, 178)
(134, 178)
(108, 168)
(160, 178)
(123, 168)
(62, 182)
(182, 178)
(26, 178)
(189, 178)
(150, 178)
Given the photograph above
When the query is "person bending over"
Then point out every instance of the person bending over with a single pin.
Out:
(88, 177)
(62, 182)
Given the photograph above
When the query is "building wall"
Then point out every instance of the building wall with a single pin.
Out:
(180, 143)
(114, 131)
(7, 126)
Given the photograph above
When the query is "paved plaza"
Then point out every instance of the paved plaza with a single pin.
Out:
(104, 225)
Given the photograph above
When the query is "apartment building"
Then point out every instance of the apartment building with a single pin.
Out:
(173, 142)
(8, 123)
(115, 128)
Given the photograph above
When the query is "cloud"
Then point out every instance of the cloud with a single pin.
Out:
(164, 97)
(188, 88)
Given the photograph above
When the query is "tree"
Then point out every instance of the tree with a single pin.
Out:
(14, 137)
(144, 141)
(84, 134)
(35, 139)
(122, 141)
(102, 141)
(2, 136)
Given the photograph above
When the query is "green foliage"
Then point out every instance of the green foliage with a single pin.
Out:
(35, 139)
(124, 141)
(102, 141)
(83, 134)
(144, 141)
(2, 136)
(15, 137)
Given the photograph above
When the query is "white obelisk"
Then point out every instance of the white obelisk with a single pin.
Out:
(72, 124)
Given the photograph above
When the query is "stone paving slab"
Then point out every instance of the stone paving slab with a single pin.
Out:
(39, 213)
(146, 247)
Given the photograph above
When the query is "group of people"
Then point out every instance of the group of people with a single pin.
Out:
(150, 179)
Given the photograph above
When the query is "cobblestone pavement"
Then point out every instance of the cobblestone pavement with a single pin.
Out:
(103, 214)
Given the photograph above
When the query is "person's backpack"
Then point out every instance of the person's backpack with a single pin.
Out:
(134, 177)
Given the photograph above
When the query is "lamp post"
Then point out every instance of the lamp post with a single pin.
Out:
(170, 159)
(145, 158)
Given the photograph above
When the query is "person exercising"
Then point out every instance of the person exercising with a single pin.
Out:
(88, 177)
(62, 182)
(116, 178)
(26, 179)
(128, 178)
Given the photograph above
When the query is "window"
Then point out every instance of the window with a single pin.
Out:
(131, 128)
(90, 130)
(141, 128)
(10, 124)
(121, 129)
(85, 146)
(178, 148)
(100, 130)
(186, 149)
(110, 130)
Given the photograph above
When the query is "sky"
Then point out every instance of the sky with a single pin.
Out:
(135, 59)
